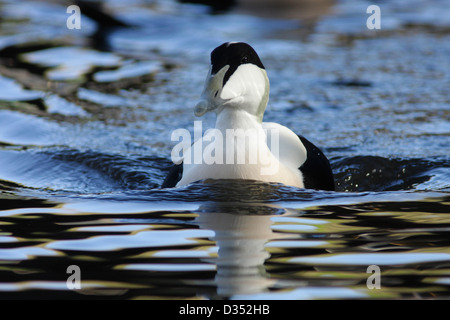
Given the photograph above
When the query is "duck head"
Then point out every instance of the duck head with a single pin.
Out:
(236, 79)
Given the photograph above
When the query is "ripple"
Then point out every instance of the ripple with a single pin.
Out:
(165, 267)
(370, 173)
(68, 63)
(365, 259)
(309, 293)
(136, 240)
(27, 168)
(38, 131)
(128, 71)
(26, 253)
(10, 90)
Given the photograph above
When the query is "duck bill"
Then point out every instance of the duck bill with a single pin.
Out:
(211, 100)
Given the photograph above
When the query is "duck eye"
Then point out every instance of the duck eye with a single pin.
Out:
(244, 59)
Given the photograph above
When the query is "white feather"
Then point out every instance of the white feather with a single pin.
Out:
(248, 82)
(269, 166)
(291, 151)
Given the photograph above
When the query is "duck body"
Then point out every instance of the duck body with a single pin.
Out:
(242, 146)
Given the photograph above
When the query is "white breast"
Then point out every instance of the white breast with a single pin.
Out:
(268, 152)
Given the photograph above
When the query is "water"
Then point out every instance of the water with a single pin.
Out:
(85, 123)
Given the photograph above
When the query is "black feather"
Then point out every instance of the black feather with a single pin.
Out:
(174, 175)
(316, 170)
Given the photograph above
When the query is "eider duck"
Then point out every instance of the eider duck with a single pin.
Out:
(242, 146)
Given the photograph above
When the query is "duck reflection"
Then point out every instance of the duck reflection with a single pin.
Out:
(242, 227)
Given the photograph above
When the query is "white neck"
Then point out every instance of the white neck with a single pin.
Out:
(247, 89)
(234, 118)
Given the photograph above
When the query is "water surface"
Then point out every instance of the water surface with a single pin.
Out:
(85, 123)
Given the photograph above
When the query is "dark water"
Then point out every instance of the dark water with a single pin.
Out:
(85, 123)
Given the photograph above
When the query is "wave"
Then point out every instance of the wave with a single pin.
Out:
(374, 173)
(88, 171)
(75, 171)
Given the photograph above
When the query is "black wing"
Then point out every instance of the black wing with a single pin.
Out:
(316, 170)
(174, 175)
